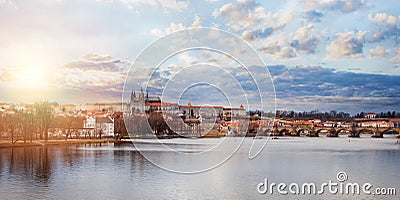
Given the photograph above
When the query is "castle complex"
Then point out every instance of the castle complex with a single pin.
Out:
(141, 103)
(144, 104)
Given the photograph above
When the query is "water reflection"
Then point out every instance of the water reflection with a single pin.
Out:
(31, 164)
(109, 171)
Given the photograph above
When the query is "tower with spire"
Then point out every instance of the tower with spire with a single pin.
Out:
(137, 103)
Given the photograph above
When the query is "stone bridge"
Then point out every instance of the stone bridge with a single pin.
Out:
(333, 131)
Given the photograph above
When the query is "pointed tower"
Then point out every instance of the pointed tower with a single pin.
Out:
(133, 95)
(141, 95)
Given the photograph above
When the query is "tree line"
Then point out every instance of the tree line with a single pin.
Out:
(27, 123)
(331, 115)
(36, 121)
(388, 114)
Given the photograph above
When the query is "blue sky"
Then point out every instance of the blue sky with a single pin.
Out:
(343, 53)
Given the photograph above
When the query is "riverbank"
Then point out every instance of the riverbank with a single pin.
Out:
(8, 144)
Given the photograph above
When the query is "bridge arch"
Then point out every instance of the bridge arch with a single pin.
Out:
(365, 130)
(339, 130)
(306, 131)
(322, 129)
(390, 131)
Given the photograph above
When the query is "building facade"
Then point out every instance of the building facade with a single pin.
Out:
(140, 103)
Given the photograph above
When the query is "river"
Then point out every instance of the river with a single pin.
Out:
(120, 171)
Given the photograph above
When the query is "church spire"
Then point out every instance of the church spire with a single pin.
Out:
(133, 94)
(141, 95)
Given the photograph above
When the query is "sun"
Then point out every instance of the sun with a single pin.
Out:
(33, 68)
(32, 77)
(35, 78)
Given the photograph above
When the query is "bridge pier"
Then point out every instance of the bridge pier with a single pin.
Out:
(313, 133)
(377, 134)
(333, 133)
(354, 133)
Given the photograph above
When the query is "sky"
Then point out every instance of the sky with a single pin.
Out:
(321, 54)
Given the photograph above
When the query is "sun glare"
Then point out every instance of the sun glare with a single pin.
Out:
(33, 71)
(33, 78)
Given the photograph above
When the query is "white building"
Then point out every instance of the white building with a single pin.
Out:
(99, 123)
(90, 122)
(105, 125)
(379, 124)
(370, 115)
(329, 124)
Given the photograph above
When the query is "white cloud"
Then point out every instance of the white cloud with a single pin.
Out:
(172, 28)
(344, 6)
(378, 52)
(100, 58)
(396, 59)
(271, 48)
(387, 27)
(391, 21)
(275, 49)
(252, 20)
(97, 62)
(278, 46)
(167, 4)
(251, 35)
(244, 13)
(304, 40)
(197, 22)
(347, 44)
(287, 52)
(249, 15)
(378, 36)
(383, 19)
(284, 17)
(378, 18)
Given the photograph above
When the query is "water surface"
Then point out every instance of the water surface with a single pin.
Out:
(111, 171)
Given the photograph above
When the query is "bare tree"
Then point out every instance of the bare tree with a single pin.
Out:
(11, 124)
(2, 125)
(44, 115)
(26, 123)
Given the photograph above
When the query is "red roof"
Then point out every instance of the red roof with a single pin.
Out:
(395, 120)
(303, 123)
(159, 104)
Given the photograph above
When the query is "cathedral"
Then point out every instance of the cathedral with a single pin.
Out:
(138, 104)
